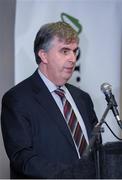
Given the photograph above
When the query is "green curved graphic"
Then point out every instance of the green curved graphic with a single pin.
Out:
(74, 21)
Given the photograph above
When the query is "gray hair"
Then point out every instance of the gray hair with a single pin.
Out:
(47, 32)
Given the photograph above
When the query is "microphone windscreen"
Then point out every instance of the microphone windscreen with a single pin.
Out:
(106, 88)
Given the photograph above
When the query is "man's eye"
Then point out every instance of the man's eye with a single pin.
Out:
(65, 52)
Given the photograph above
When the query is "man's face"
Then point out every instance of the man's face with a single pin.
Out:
(59, 61)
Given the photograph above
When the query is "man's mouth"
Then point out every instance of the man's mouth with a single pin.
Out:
(69, 69)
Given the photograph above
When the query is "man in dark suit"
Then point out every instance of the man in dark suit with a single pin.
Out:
(37, 138)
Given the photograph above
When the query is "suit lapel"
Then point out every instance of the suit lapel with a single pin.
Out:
(45, 99)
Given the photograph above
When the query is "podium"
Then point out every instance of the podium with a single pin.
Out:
(111, 160)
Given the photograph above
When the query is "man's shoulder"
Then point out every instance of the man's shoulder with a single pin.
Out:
(76, 89)
(22, 88)
(19, 87)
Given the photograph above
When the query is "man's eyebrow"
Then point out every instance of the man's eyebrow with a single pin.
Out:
(65, 48)
(70, 49)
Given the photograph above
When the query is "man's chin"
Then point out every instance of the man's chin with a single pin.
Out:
(67, 79)
(63, 80)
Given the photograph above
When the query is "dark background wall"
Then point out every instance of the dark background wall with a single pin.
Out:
(7, 21)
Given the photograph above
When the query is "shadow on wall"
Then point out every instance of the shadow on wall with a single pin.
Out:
(7, 21)
(121, 84)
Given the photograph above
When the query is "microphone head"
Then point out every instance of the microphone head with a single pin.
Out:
(106, 88)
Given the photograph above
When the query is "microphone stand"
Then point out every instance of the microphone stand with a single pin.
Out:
(96, 138)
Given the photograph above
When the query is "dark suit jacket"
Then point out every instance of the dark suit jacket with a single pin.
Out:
(36, 137)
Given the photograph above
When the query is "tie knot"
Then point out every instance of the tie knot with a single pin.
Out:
(60, 93)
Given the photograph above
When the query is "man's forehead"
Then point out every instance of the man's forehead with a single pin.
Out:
(65, 41)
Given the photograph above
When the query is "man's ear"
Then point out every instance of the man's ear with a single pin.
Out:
(43, 55)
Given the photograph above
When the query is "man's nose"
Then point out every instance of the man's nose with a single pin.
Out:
(72, 56)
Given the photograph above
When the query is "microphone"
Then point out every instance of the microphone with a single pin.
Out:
(106, 88)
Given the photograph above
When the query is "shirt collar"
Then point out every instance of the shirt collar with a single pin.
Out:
(50, 85)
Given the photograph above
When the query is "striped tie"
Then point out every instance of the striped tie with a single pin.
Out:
(72, 122)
